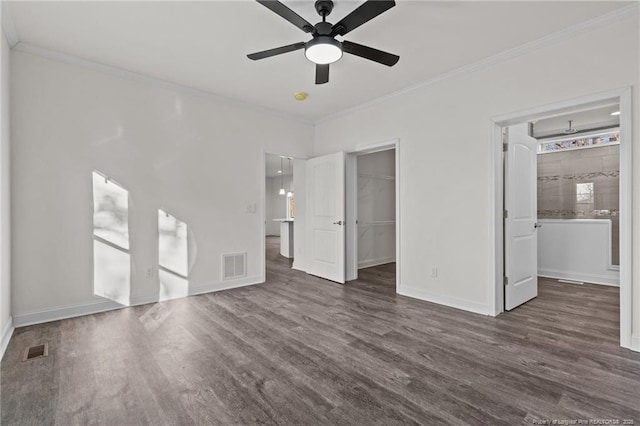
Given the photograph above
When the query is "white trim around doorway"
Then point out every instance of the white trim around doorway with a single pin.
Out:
(619, 96)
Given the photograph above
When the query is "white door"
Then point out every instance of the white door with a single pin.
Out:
(326, 213)
(521, 242)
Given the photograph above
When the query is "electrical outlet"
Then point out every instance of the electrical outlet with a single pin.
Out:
(434, 272)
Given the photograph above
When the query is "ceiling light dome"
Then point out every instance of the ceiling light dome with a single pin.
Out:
(323, 50)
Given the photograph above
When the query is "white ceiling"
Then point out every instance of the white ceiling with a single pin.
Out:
(580, 120)
(203, 45)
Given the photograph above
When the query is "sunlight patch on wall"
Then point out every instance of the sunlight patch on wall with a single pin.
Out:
(173, 256)
(111, 259)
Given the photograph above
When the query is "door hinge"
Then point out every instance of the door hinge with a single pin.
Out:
(506, 214)
(506, 281)
(505, 146)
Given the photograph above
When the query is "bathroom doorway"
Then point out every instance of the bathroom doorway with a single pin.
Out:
(578, 201)
(578, 196)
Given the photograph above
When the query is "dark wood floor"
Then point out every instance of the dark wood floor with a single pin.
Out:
(299, 350)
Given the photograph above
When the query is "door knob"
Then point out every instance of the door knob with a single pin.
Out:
(338, 222)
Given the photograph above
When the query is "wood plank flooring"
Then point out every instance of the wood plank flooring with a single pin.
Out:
(299, 350)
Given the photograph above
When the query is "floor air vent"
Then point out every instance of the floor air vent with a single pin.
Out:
(33, 352)
(234, 266)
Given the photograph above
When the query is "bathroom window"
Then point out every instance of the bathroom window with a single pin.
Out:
(584, 193)
(593, 140)
(111, 259)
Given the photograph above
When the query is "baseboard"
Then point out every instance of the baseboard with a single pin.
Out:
(63, 312)
(375, 262)
(465, 305)
(71, 311)
(144, 299)
(575, 276)
(225, 285)
(635, 343)
(7, 332)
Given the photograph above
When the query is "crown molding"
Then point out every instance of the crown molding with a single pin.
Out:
(581, 28)
(8, 28)
(134, 76)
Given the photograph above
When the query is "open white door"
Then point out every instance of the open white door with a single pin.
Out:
(326, 216)
(521, 242)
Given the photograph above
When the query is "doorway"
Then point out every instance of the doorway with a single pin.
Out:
(330, 249)
(373, 210)
(279, 209)
(516, 259)
(578, 164)
(372, 213)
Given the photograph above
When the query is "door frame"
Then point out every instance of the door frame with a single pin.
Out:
(262, 208)
(621, 96)
(351, 194)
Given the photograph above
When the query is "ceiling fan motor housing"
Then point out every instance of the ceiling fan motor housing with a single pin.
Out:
(323, 28)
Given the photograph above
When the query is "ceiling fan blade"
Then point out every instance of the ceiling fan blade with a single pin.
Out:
(276, 51)
(370, 53)
(288, 14)
(322, 73)
(364, 13)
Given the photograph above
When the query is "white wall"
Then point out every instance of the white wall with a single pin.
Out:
(190, 155)
(446, 161)
(276, 204)
(576, 249)
(376, 208)
(6, 325)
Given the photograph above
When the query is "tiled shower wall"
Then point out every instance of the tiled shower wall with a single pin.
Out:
(558, 174)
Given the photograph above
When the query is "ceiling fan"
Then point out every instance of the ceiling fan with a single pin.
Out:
(323, 49)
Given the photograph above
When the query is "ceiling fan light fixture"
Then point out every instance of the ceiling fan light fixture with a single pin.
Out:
(323, 50)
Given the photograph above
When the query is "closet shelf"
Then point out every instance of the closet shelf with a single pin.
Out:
(372, 176)
(377, 223)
